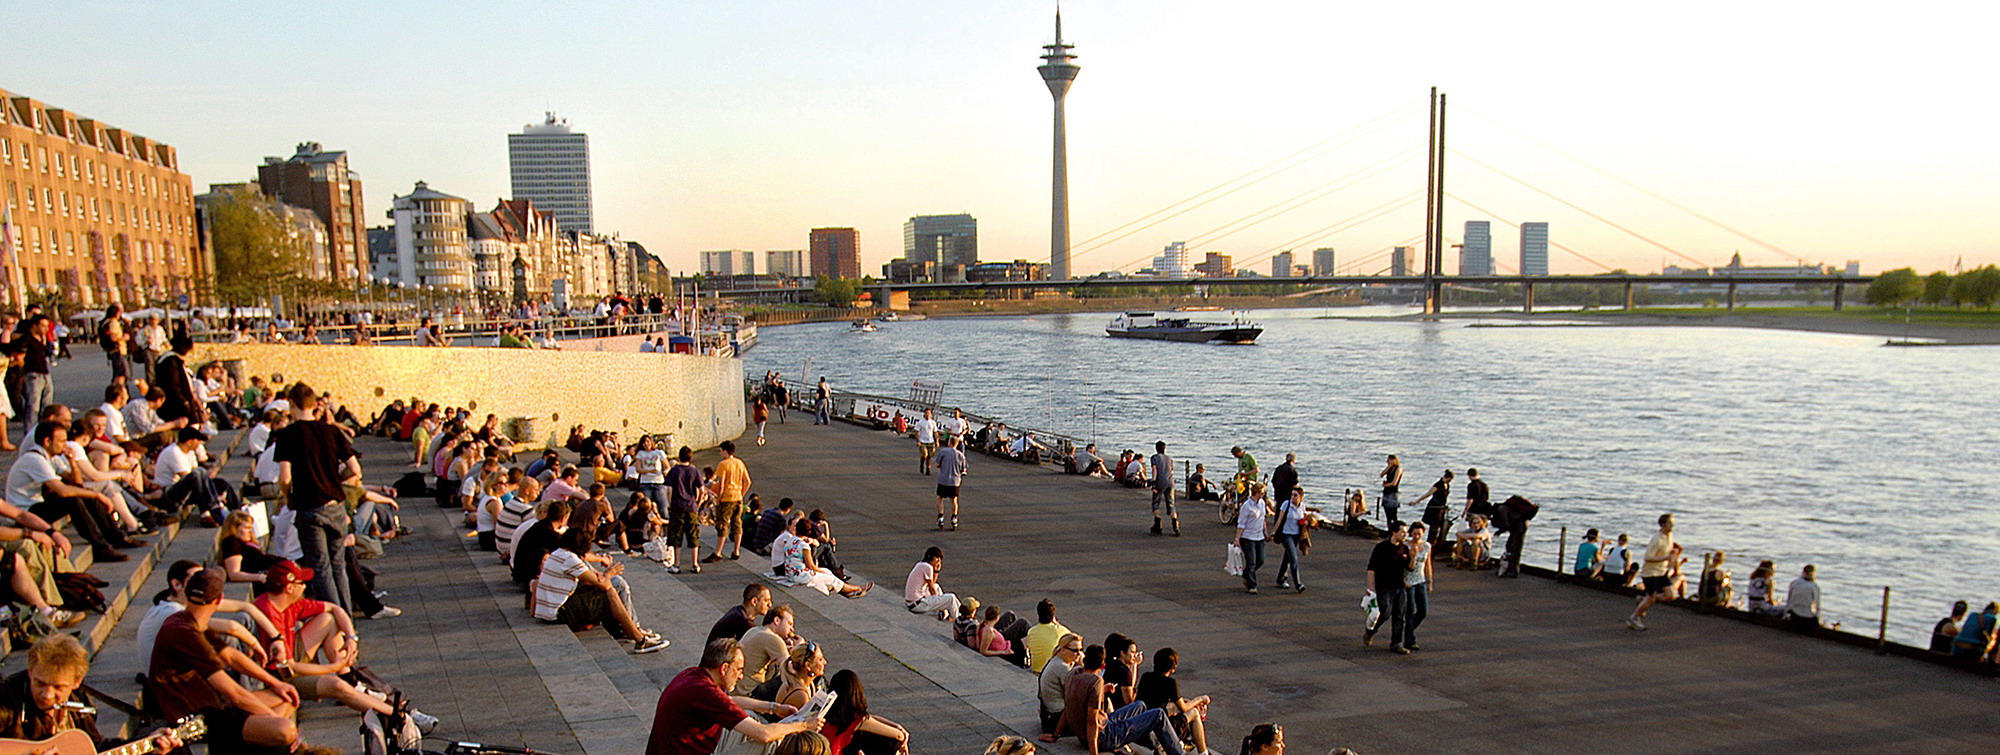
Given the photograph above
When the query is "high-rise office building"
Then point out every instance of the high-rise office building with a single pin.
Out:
(1534, 248)
(1216, 265)
(1323, 261)
(93, 211)
(835, 252)
(1281, 264)
(942, 239)
(729, 262)
(1172, 262)
(790, 263)
(1476, 256)
(320, 181)
(549, 164)
(1399, 261)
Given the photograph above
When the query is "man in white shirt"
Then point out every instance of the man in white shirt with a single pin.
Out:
(1654, 571)
(179, 469)
(568, 591)
(427, 335)
(1802, 600)
(115, 396)
(926, 431)
(1049, 687)
(37, 485)
(921, 593)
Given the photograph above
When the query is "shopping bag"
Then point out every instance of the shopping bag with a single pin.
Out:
(1373, 608)
(1233, 565)
(657, 549)
(260, 519)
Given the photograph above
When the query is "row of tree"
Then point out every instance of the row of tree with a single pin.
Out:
(1979, 288)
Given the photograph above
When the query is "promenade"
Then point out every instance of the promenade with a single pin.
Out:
(1507, 665)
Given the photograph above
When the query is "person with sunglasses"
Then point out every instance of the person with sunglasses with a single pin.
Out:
(1049, 688)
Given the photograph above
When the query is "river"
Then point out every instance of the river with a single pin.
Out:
(1797, 447)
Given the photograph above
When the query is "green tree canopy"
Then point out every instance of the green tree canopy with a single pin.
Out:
(1978, 287)
(1895, 287)
(255, 251)
(1937, 289)
(836, 292)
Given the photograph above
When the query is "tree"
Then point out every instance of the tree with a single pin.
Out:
(1937, 289)
(1980, 287)
(255, 251)
(836, 292)
(1895, 287)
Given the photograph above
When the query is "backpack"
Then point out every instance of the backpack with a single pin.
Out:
(412, 485)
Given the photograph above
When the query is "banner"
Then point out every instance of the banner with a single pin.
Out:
(881, 412)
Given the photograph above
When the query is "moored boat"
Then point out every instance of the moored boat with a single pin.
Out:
(1152, 327)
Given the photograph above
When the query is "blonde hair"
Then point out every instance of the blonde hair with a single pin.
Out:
(236, 519)
(793, 671)
(1010, 745)
(60, 653)
(804, 743)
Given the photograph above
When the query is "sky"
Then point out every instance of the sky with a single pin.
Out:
(1788, 131)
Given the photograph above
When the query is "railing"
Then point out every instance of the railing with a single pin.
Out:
(844, 402)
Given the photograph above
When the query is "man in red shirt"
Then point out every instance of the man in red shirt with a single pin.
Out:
(319, 642)
(188, 674)
(697, 716)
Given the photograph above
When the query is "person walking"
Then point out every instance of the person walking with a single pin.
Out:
(823, 403)
(1416, 583)
(926, 431)
(732, 483)
(1284, 478)
(1392, 482)
(950, 474)
(1250, 537)
(1653, 571)
(1436, 502)
(116, 339)
(1387, 565)
(1478, 497)
(37, 390)
(1163, 487)
(1291, 514)
(759, 413)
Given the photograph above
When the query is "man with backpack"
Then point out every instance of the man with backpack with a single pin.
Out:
(1511, 517)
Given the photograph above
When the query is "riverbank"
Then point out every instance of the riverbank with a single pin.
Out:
(1110, 305)
(1973, 329)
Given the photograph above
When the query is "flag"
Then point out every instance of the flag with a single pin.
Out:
(7, 242)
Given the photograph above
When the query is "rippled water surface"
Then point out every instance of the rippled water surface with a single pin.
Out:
(1870, 462)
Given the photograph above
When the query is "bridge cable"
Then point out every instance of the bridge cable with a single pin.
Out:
(1517, 226)
(1348, 224)
(1576, 207)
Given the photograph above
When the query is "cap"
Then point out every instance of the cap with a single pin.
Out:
(284, 572)
(191, 433)
(205, 586)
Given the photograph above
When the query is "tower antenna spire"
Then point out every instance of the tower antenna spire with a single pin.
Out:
(1057, 72)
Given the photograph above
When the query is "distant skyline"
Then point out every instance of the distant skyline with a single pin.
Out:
(720, 126)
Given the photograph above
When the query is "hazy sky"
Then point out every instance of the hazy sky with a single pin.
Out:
(1828, 133)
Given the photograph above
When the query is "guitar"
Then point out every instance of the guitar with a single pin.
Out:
(73, 742)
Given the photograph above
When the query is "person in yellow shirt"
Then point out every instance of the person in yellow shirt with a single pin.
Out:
(732, 482)
(1042, 638)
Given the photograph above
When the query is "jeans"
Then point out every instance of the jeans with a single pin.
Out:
(87, 515)
(822, 412)
(1395, 610)
(120, 368)
(1417, 597)
(1253, 559)
(1289, 562)
(36, 392)
(320, 533)
(1133, 723)
(1164, 496)
(194, 489)
(145, 359)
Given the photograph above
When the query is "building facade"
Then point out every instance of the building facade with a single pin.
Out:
(1534, 248)
(1281, 264)
(1475, 257)
(320, 181)
(1216, 265)
(1323, 261)
(789, 263)
(92, 212)
(729, 262)
(942, 239)
(835, 252)
(432, 246)
(549, 164)
(1172, 262)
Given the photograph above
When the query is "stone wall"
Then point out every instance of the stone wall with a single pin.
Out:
(698, 399)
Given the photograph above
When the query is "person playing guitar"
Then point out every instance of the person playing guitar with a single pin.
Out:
(45, 701)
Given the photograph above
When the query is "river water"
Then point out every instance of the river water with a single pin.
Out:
(1799, 447)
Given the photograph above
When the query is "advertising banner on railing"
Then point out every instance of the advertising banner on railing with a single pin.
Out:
(882, 412)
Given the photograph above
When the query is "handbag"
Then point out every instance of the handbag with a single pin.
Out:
(1233, 563)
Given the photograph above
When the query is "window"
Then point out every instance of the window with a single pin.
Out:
(6, 152)
(72, 167)
(64, 196)
(59, 166)
(69, 243)
(93, 208)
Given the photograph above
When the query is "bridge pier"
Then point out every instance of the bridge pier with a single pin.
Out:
(1528, 298)
(1628, 296)
(1839, 296)
(1732, 296)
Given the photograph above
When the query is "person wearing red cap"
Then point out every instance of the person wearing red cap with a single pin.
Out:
(188, 675)
(319, 643)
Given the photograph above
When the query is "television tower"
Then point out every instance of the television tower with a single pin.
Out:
(1058, 72)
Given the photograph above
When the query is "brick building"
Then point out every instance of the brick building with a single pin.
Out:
(320, 181)
(835, 252)
(95, 212)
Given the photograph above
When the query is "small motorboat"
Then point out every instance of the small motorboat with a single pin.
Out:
(862, 326)
(889, 317)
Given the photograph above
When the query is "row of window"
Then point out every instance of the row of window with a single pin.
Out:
(92, 172)
(119, 246)
(61, 204)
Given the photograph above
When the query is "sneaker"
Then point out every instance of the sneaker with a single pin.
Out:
(940, 521)
(425, 722)
(387, 612)
(649, 635)
(1154, 531)
(1635, 623)
(1399, 651)
(673, 569)
(1368, 637)
(649, 645)
(1252, 591)
(954, 523)
(64, 618)
(1412, 647)
(1301, 587)
(712, 558)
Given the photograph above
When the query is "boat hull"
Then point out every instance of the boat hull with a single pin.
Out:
(1189, 335)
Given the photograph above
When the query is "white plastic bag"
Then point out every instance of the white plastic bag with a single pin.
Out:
(1373, 607)
(657, 549)
(1233, 565)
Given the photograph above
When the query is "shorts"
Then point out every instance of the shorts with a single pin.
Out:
(729, 519)
(225, 729)
(1657, 585)
(947, 491)
(681, 530)
(927, 450)
(587, 606)
(1163, 496)
(308, 686)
